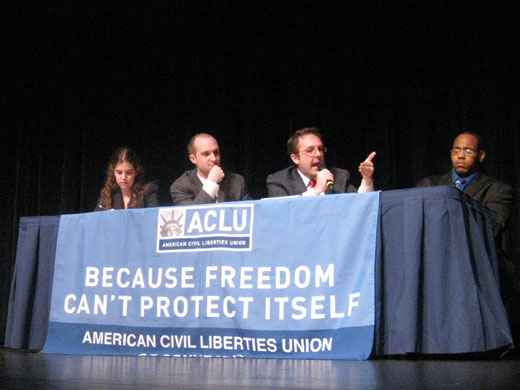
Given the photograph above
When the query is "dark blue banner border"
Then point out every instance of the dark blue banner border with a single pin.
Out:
(345, 343)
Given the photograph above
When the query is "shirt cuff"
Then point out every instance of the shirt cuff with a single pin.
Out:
(211, 188)
(363, 187)
(312, 192)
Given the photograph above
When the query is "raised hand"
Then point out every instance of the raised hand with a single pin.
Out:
(216, 174)
(366, 168)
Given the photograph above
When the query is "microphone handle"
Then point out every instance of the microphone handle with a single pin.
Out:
(330, 184)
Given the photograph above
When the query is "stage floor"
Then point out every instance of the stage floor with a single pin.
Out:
(25, 370)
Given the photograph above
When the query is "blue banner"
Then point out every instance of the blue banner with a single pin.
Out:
(275, 278)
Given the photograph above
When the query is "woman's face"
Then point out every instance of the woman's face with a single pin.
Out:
(125, 175)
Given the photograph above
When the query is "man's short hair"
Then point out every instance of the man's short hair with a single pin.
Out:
(478, 137)
(292, 142)
(191, 148)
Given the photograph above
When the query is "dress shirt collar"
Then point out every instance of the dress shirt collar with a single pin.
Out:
(305, 179)
(466, 181)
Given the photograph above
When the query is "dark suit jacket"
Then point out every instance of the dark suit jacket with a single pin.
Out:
(187, 189)
(492, 193)
(288, 182)
(150, 198)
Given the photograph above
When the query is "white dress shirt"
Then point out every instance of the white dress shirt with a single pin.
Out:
(210, 187)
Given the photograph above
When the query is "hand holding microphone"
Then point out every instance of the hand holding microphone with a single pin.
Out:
(324, 181)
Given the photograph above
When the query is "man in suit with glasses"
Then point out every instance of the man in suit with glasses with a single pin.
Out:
(309, 175)
(467, 154)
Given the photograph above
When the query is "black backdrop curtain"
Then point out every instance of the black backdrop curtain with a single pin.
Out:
(88, 80)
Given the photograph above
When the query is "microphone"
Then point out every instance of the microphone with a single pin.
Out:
(330, 184)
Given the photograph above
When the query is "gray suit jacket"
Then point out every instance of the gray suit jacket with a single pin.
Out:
(492, 193)
(187, 189)
(288, 182)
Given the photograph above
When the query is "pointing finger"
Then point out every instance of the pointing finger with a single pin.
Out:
(370, 157)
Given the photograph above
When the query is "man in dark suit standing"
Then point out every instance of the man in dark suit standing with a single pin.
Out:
(207, 182)
(309, 175)
(467, 154)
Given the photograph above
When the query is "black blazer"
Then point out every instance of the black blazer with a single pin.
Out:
(492, 193)
(187, 189)
(150, 198)
(289, 182)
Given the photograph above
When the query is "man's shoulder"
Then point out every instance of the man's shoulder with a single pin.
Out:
(339, 172)
(283, 174)
(233, 175)
(489, 181)
(234, 186)
(188, 176)
(233, 181)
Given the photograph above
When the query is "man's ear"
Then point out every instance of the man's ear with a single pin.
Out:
(192, 158)
(295, 158)
(481, 156)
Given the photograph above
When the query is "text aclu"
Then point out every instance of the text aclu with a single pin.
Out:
(224, 220)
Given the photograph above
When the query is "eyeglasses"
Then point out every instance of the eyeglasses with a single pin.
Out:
(312, 150)
(468, 152)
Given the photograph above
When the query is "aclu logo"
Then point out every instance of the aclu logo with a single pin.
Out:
(205, 228)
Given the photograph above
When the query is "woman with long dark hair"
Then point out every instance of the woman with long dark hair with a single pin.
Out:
(125, 185)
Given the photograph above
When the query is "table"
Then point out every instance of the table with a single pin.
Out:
(437, 282)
